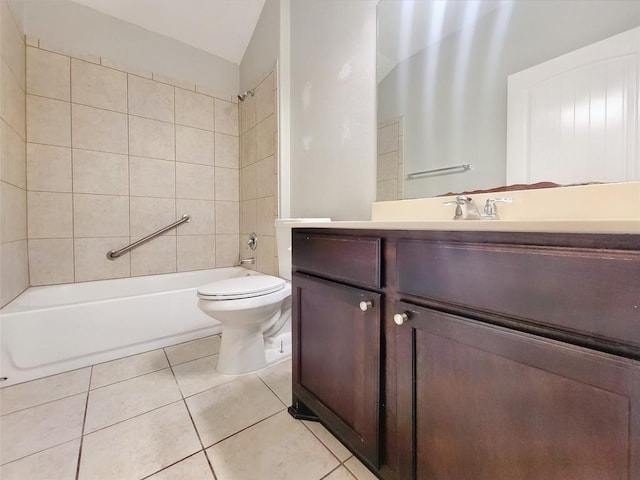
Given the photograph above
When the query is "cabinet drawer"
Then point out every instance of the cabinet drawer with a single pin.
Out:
(352, 259)
(578, 290)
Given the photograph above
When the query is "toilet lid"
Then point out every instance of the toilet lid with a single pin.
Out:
(241, 287)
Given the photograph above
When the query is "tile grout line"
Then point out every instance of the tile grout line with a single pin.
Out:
(84, 423)
(73, 193)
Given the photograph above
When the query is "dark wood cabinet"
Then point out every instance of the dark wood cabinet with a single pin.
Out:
(518, 358)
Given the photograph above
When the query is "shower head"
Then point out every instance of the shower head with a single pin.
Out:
(244, 95)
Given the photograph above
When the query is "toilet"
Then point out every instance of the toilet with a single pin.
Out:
(255, 312)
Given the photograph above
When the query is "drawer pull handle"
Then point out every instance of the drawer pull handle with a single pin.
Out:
(366, 305)
(400, 318)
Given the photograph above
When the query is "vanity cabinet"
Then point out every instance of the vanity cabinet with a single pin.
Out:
(495, 355)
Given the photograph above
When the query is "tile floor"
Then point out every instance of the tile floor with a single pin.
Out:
(162, 415)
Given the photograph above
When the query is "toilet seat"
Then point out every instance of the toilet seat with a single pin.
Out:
(241, 287)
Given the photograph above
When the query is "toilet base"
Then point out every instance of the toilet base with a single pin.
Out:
(242, 352)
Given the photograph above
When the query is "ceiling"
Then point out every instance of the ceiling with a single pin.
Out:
(219, 27)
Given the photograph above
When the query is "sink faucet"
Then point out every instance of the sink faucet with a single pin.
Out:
(491, 209)
(466, 209)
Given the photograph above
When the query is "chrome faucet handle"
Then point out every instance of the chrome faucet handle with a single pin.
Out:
(491, 209)
(466, 208)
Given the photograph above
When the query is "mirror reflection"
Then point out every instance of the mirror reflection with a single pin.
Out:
(477, 95)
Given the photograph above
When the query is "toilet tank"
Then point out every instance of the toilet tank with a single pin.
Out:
(283, 242)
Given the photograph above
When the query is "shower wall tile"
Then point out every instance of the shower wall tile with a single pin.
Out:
(265, 145)
(100, 215)
(91, 262)
(12, 167)
(48, 121)
(156, 256)
(265, 99)
(151, 138)
(227, 217)
(194, 182)
(151, 99)
(226, 117)
(266, 177)
(203, 216)
(248, 219)
(48, 74)
(98, 129)
(51, 261)
(13, 45)
(101, 173)
(12, 108)
(265, 216)
(194, 145)
(247, 113)
(248, 148)
(50, 215)
(226, 184)
(265, 255)
(152, 178)
(151, 214)
(249, 186)
(227, 250)
(14, 270)
(196, 252)
(98, 86)
(13, 224)
(227, 151)
(48, 168)
(194, 109)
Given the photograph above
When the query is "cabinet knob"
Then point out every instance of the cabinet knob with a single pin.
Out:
(400, 318)
(366, 305)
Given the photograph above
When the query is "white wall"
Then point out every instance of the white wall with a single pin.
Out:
(83, 30)
(263, 49)
(333, 108)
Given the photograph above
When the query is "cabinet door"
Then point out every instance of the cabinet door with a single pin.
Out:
(483, 402)
(336, 367)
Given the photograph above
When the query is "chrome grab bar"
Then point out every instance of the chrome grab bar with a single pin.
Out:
(113, 254)
(464, 168)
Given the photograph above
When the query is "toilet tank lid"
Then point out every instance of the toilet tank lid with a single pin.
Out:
(250, 285)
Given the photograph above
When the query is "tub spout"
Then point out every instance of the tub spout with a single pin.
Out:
(247, 261)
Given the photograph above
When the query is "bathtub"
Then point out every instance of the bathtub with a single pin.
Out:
(53, 329)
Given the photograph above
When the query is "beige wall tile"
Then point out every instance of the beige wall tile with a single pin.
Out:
(387, 190)
(97, 129)
(247, 114)
(227, 151)
(248, 148)
(150, 99)
(151, 138)
(91, 262)
(196, 252)
(265, 255)
(13, 46)
(227, 184)
(51, 261)
(203, 217)
(52, 47)
(98, 86)
(194, 145)
(152, 178)
(12, 106)
(226, 117)
(227, 217)
(248, 182)
(48, 121)
(48, 74)
(265, 216)
(194, 109)
(100, 215)
(14, 273)
(156, 256)
(227, 250)
(50, 215)
(266, 178)
(265, 105)
(123, 67)
(174, 81)
(194, 181)
(387, 168)
(151, 214)
(248, 217)
(265, 141)
(12, 157)
(388, 139)
(48, 168)
(99, 172)
(13, 221)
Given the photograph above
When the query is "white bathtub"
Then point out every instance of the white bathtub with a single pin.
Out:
(53, 329)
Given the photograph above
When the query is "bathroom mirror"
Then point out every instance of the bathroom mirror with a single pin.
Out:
(443, 70)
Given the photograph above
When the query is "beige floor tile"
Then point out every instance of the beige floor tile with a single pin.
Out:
(140, 446)
(195, 467)
(278, 378)
(276, 448)
(57, 463)
(128, 367)
(120, 401)
(38, 428)
(185, 352)
(43, 390)
(331, 442)
(340, 474)
(359, 470)
(200, 375)
(244, 402)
